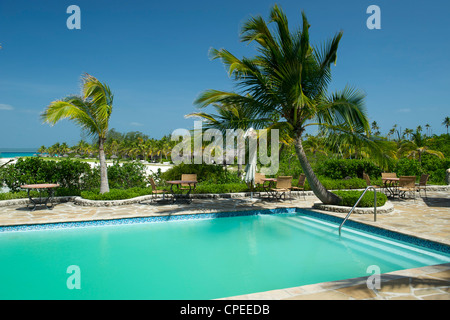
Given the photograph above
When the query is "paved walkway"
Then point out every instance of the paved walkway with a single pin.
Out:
(424, 218)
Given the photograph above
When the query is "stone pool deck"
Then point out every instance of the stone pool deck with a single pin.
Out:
(427, 218)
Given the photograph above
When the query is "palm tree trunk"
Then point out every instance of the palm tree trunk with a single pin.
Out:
(319, 190)
(104, 185)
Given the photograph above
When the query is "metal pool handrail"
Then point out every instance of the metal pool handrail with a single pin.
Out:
(374, 207)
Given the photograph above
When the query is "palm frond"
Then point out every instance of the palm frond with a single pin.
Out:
(72, 108)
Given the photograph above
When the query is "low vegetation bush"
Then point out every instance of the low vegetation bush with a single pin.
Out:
(430, 164)
(73, 176)
(205, 172)
(30, 170)
(13, 195)
(116, 194)
(59, 192)
(206, 187)
(127, 175)
(343, 168)
(349, 198)
(338, 184)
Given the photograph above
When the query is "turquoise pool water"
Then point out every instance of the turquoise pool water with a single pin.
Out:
(195, 259)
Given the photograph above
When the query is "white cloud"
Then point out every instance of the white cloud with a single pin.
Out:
(6, 107)
(404, 110)
(136, 124)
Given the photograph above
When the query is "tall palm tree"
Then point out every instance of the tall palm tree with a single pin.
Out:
(408, 132)
(314, 145)
(42, 149)
(288, 79)
(91, 111)
(446, 123)
(428, 127)
(375, 128)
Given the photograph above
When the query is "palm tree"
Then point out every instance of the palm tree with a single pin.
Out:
(314, 145)
(416, 147)
(408, 132)
(288, 80)
(446, 123)
(427, 126)
(375, 128)
(81, 147)
(91, 111)
(42, 149)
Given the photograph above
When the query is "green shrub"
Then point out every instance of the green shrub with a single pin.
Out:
(13, 195)
(205, 172)
(430, 164)
(435, 167)
(59, 192)
(342, 168)
(127, 175)
(116, 194)
(206, 187)
(337, 184)
(408, 167)
(349, 198)
(70, 174)
(73, 176)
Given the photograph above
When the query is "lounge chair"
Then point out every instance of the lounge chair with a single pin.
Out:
(407, 184)
(284, 184)
(155, 191)
(423, 184)
(300, 185)
(188, 177)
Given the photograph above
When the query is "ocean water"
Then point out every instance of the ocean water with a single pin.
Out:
(17, 153)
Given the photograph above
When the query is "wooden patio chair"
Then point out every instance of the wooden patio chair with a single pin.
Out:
(188, 177)
(300, 185)
(259, 183)
(284, 184)
(156, 191)
(367, 178)
(423, 184)
(407, 184)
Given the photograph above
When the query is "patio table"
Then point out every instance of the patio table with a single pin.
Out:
(181, 197)
(391, 185)
(49, 188)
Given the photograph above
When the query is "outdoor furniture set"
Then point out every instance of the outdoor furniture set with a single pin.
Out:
(399, 187)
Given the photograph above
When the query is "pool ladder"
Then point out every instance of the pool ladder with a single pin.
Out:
(374, 207)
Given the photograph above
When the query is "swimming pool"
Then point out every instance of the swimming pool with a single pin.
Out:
(198, 256)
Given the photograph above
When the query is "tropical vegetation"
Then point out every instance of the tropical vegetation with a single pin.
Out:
(283, 86)
(287, 82)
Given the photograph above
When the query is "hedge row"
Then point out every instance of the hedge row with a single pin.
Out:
(70, 174)
(349, 198)
(336, 169)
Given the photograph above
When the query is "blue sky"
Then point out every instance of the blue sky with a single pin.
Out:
(154, 56)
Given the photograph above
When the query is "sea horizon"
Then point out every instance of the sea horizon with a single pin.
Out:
(17, 152)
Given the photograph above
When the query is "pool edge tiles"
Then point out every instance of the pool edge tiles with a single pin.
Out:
(376, 230)
(138, 220)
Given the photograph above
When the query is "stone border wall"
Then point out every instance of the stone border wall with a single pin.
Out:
(108, 203)
(386, 208)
